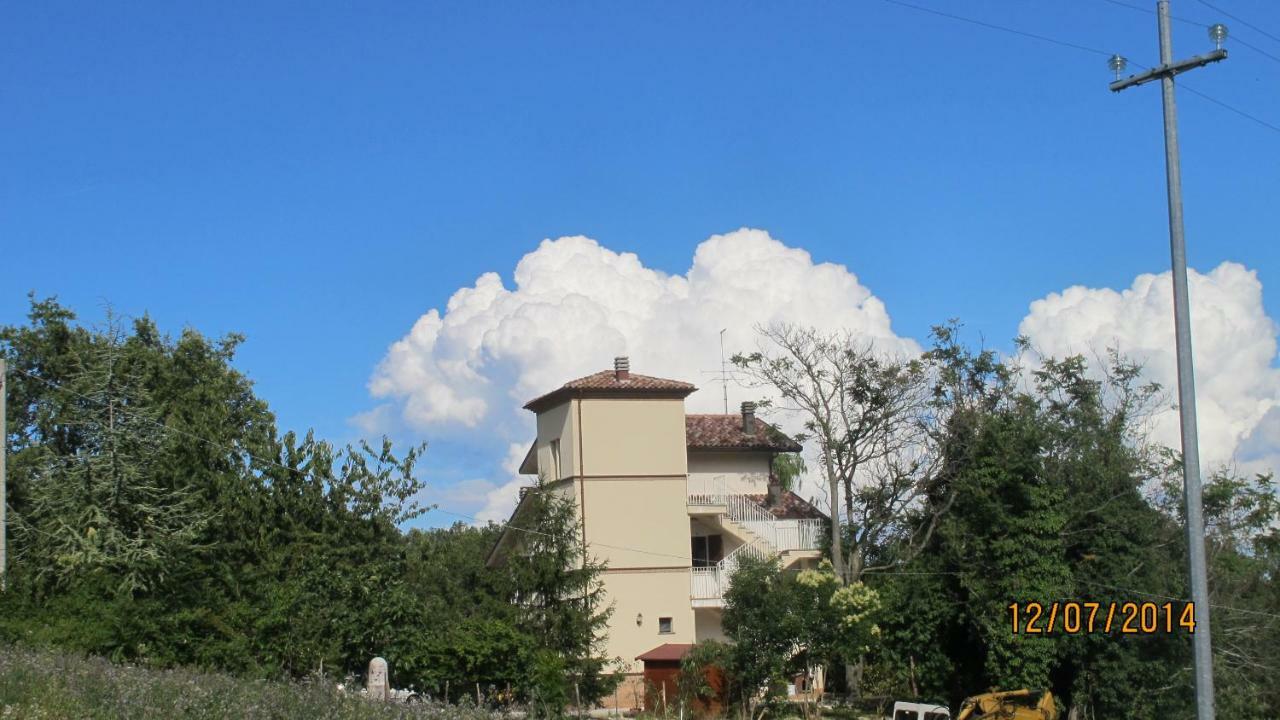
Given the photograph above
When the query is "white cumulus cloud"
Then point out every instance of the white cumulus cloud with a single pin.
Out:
(575, 305)
(1234, 343)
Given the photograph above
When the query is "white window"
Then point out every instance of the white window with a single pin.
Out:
(664, 626)
(555, 459)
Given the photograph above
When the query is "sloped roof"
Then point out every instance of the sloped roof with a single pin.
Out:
(529, 465)
(715, 432)
(789, 506)
(606, 384)
(668, 651)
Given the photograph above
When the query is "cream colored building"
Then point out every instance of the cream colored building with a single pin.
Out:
(667, 500)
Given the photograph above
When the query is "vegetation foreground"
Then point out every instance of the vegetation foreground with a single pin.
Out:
(159, 517)
(39, 684)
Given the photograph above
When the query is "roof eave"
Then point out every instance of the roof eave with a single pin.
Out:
(563, 395)
(753, 448)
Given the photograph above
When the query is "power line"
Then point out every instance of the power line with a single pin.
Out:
(1131, 591)
(1240, 20)
(306, 474)
(1002, 28)
(1256, 49)
(531, 531)
(1076, 46)
(1236, 110)
(1149, 11)
(1197, 23)
(509, 526)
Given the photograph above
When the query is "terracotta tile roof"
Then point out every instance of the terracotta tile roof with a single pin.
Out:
(789, 506)
(606, 383)
(725, 432)
(669, 651)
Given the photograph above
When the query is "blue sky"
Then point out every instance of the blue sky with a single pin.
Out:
(320, 175)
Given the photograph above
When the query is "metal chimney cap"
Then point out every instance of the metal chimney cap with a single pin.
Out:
(622, 367)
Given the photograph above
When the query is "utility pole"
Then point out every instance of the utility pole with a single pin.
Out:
(4, 450)
(1168, 68)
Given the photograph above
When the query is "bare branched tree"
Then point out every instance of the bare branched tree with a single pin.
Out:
(867, 413)
(881, 424)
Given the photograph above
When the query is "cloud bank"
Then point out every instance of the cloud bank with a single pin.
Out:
(1234, 346)
(575, 304)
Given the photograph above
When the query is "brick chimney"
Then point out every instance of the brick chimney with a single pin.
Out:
(622, 368)
(749, 418)
(775, 491)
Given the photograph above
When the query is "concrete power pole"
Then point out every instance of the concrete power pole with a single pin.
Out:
(1168, 68)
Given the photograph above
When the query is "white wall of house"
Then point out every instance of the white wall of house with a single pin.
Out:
(744, 471)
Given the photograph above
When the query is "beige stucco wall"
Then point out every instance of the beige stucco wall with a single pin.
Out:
(644, 521)
(627, 461)
(633, 437)
(708, 624)
(558, 423)
(743, 471)
(650, 594)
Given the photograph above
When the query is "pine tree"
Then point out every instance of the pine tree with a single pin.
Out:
(561, 598)
(105, 510)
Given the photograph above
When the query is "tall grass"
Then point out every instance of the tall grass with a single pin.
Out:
(42, 684)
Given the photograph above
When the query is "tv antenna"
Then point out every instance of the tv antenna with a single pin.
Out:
(724, 375)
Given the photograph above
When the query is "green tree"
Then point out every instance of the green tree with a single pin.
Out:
(1046, 487)
(556, 588)
(240, 548)
(783, 623)
(106, 509)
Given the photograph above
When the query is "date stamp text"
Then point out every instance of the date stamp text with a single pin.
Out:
(1128, 618)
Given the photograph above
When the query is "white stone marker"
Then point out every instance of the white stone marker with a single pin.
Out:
(376, 684)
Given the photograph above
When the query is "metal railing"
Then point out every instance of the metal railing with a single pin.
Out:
(744, 510)
(704, 490)
(772, 536)
(709, 583)
(797, 534)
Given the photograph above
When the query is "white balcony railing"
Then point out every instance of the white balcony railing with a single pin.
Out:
(772, 535)
(703, 490)
(797, 534)
(705, 583)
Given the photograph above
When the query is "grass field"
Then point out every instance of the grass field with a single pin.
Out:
(46, 685)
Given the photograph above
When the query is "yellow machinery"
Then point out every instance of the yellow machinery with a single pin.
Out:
(1009, 705)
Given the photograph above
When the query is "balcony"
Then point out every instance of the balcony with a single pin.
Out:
(706, 588)
(762, 534)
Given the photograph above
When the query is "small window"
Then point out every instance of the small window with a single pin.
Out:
(906, 715)
(555, 459)
(664, 626)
